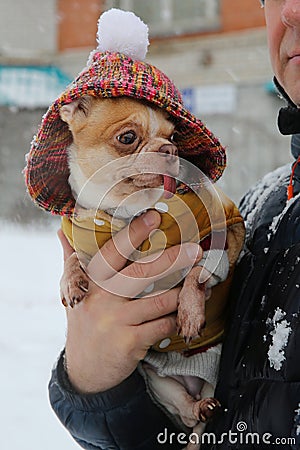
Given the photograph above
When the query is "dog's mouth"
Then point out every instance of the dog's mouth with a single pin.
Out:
(149, 180)
(169, 186)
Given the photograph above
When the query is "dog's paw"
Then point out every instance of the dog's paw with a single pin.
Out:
(74, 283)
(204, 409)
(190, 317)
(188, 329)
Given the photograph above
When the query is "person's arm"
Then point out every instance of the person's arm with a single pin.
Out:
(107, 336)
(123, 417)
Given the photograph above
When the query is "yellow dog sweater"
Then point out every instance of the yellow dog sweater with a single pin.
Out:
(186, 219)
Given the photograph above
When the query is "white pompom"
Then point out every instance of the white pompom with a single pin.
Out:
(124, 32)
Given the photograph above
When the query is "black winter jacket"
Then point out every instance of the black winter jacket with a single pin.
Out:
(122, 418)
(259, 379)
(254, 394)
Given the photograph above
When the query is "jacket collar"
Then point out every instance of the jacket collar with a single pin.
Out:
(289, 116)
(289, 123)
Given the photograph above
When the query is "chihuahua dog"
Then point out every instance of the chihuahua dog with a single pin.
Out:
(104, 131)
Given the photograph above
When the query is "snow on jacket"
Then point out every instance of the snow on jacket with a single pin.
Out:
(259, 378)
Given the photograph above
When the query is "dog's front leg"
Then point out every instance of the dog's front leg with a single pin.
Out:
(191, 308)
(74, 282)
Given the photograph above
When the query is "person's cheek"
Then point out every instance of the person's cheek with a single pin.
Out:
(275, 34)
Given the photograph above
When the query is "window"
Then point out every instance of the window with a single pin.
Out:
(173, 17)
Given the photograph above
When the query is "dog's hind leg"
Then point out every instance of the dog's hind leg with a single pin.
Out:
(173, 396)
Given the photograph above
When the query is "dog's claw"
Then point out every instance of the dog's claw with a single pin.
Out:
(77, 300)
(83, 287)
(206, 408)
(187, 339)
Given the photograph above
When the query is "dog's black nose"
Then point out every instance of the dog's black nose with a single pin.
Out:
(169, 149)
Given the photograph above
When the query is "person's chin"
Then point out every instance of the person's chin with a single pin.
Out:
(294, 93)
(291, 84)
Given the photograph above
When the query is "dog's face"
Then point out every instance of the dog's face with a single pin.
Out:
(104, 131)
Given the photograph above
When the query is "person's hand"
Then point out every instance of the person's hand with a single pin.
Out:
(108, 334)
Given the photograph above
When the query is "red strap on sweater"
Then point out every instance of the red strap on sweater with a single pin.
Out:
(218, 241)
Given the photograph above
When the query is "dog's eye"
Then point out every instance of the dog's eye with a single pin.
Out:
(127, 138)
(173, 138)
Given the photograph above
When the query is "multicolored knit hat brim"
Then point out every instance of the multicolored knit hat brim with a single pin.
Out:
(112, 75)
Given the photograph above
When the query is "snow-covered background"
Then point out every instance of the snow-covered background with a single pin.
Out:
(32, 333)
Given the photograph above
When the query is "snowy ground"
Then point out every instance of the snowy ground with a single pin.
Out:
(32, 332)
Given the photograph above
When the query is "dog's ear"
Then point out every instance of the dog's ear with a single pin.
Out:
(81, 106)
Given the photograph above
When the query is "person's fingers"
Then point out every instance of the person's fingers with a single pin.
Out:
(152, 332)
(150, 308)
(67, 249)
(133, 279)
(114, 254)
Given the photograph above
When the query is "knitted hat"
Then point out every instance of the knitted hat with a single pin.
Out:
(116, 68)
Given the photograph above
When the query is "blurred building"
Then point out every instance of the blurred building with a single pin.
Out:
(214, 50)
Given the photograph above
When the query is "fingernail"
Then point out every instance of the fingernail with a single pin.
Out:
(193, 251)
(150, 218)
